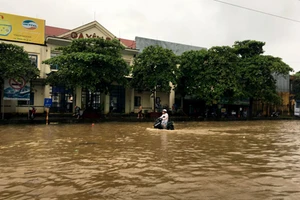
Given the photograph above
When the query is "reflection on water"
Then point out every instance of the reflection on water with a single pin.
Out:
(198, 160)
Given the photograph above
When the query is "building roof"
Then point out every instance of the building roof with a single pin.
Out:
(129, 43)
(177, 48)
(56, 31)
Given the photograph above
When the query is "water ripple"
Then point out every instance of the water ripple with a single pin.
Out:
(199, 160)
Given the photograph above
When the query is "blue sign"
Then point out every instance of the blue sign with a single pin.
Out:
(48, 102)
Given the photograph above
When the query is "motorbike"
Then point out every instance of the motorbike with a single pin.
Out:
(157, 124)
(275, 114)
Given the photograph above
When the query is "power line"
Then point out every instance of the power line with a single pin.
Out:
(258, 11)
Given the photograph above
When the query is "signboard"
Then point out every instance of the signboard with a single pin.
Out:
(22, 29)
(47, 102)
(76, 35)
(16, 89)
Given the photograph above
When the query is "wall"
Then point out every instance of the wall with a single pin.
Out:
(11, 106)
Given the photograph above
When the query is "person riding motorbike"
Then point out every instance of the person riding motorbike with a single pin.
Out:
(163, 121)
(165, 118)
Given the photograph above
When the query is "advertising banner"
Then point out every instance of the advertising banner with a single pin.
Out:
(16, 89)
(22, 29)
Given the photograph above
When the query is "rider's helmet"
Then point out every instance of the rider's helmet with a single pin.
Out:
(164, 110)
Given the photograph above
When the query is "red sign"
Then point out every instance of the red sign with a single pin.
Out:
(17, 84)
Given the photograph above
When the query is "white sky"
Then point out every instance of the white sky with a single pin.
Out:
(203, 23)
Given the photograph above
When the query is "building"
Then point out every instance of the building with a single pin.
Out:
(125, 100)
(43, 45)
(283, 90)
(122, 98)
(62, 98)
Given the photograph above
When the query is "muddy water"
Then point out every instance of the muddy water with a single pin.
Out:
(198, 160)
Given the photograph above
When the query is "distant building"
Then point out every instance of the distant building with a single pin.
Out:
(178, 49)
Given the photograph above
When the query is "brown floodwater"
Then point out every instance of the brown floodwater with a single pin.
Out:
(199, 160)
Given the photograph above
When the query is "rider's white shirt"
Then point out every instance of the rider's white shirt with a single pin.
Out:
(165, 118)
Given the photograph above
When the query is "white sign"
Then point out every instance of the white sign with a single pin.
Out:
(16, 89)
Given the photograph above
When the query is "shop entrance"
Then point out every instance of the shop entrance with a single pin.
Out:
(62, 99)
(117, 99)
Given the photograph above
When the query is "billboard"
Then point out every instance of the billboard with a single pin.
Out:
(16, 89)
(22, 29)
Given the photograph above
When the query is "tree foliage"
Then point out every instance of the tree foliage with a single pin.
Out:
(236, 72)
(220, 79)
(154, 68)
(249, 48)
(92, 63)
(257, 79)
(193, 66)
(15, 63)
(258, 71)
(207, 75)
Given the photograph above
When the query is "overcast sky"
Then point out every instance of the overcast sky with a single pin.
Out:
(203, 23)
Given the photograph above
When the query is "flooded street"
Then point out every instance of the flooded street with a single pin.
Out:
(199, 160)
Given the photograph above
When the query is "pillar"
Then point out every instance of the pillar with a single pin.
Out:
(171, 96)
(78, 95)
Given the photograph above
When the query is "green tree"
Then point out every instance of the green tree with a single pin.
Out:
(209, 75)
(193, 66)
(154, 69)
(222, 75)
(15, 63)
(92, 63)
(257, 72)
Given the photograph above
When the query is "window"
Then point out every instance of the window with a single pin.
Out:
(137, 101)
(34, 59)
(24, 102)
(54, 67)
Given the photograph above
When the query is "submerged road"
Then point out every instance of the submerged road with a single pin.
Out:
(242, 160)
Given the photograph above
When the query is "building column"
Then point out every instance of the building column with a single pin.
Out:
(129, 100)
(106, 102)
(152, 96)
(47, 90)
(78, 95)
(171, 96)
(132, 101)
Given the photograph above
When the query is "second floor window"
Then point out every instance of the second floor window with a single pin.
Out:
(34, 59)
(54, 67)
